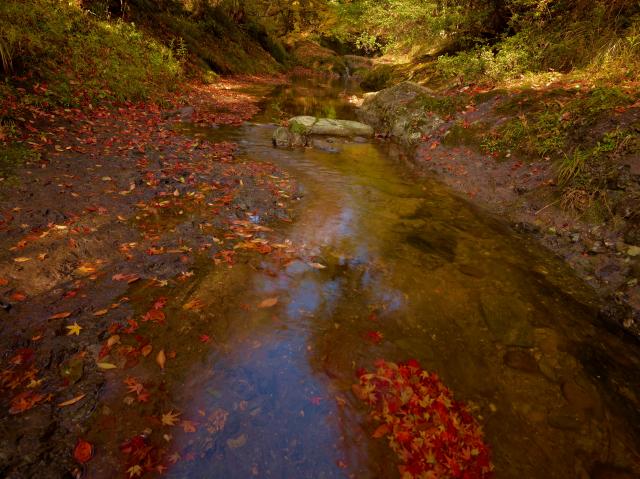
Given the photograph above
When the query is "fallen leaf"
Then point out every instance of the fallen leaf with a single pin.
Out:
(106, 366)
(317, 265)
(134, 471)
(17, 296)
(101, 312)
(170, 418)
(161, 359)
(268, 303)
(381, 431)
(63, 315)
(237, 442)
(22, 259)
(146, 350)
(71, 401)
(189, 426)
(83, 452)
(75, 328)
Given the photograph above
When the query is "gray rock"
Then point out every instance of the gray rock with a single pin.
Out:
(309, 125)
(282, 137)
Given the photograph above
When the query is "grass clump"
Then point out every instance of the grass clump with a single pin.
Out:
(586, 175)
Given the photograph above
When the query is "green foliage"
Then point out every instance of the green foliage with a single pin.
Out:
(65, 46)
(498, 40)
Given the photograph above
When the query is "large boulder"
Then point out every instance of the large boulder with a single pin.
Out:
(301, 128)
(402, 112)
(310, 125)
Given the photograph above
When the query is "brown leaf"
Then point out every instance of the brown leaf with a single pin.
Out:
(161, 359)
(63, 315)
(146, 350)
(71, 401)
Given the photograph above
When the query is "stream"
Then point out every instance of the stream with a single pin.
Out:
(503, 322)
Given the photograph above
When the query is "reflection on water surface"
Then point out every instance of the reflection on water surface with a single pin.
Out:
(506, 326)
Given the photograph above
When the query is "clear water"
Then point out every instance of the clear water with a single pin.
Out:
(505, 324)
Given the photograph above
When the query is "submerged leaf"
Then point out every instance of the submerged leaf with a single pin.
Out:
(268, 303)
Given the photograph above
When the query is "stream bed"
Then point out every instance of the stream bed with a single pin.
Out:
(504, 323)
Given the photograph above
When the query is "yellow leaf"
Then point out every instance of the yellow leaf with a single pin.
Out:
(268, 303)
(134, 471)
(22, 259)
(106, 366)
(170, 418)
(75, 328)
(317, 265)
(146, 350)
(71, 401)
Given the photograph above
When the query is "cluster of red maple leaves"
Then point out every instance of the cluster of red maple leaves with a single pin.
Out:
(433, 435)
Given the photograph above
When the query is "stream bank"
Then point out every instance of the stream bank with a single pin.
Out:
(467, 139)
(214, 319)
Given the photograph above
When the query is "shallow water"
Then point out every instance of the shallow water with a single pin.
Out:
(504, 323)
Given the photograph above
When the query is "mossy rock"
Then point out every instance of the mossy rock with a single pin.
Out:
(378, 78)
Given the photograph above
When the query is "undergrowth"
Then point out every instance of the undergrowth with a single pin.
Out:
(74, 57)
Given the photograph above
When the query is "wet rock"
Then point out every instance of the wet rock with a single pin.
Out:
(302, 128)
(521, 360)
(309, 125)
(323, 145)
(583, 397)
(507, 320)
(564, 419)
(283, 138)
